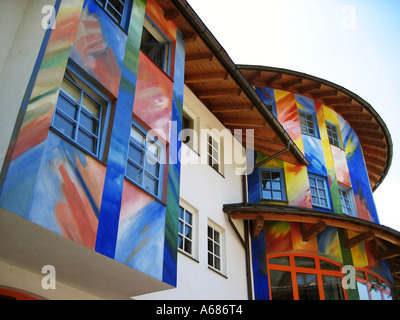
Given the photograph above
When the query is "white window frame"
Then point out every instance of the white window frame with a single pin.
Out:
(216, 144)
(326, 189)
(221, 256)
(194, 226)
(348, 192)
(193, 143)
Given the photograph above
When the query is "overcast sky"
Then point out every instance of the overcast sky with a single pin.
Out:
(354, 43)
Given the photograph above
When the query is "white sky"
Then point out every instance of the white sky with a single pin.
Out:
(354, 43)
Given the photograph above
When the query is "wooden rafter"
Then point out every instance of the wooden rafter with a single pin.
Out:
(258, 224)
(313, 231)
(206, 77)
(357, 240)
(387, 254)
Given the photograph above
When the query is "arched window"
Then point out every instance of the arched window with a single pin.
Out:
(304, 277)
(371, 286)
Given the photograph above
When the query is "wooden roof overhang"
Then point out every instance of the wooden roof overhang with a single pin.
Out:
(386, 241)
(371, 130)
(217, 82)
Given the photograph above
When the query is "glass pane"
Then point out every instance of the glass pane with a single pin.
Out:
(87, 141)
(153, 149)
(363, 291)
(91, 105)
(150, 184)
(216, 236)
(152, 167)
(217, 263)
(181, 210)
(134, 173)
(210, 245)
(210, 259)
(276, 185)
(180, 242)
(138, 136)
(71, 89)
(333, 288)
(328, 266)
(66, 106)
(210, 232)
(216, 249)
(188, 246)
(66, 127)
(307, 286)
(135, 154)
(188, 231)
(267, 194)
(155, 51)
(304, 262)
(277, 195)
(376, 294)
(89, 122)
(188, 217)
(320, 184)
(180, 227)
(281, 285)
(283, 261)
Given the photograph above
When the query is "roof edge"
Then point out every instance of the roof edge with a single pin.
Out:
(351, 94)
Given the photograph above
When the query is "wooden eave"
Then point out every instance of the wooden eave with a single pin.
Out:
(220, 86)
(385, 241)
(372, 132)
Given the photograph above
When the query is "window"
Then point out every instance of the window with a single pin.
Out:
(185, 231)
(272, 184)
(301, 277)
(307, 123)
(345, 199)
(371, 286)
(118, 10)
(319, 192)
(155, 45)
(333, 134)
(188, 126)
(80, 112)
(145, 158)
(214, 240)
(213, 152)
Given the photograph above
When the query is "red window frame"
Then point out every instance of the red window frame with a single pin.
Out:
(368, 282)
(293, 269)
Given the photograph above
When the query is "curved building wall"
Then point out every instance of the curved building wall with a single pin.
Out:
(341, 168)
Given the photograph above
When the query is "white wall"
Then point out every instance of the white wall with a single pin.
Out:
(206, 190)
(21, 37)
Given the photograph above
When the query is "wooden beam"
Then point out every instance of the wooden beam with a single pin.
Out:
(206, 77)
(309, 218)
(199, 57)
(171, 14)
(210, 94)
(254, 76)
(309, 87)
(189, 37)
(258, 224)
(292, 82)
(387, 254)
(325, 93)
(338, 99)
(252, 123)
(313, 231)
(357, 240)
(231, 108)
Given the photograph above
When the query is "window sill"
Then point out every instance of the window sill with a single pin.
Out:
(144, 190)
(188, 255)
(217, 272)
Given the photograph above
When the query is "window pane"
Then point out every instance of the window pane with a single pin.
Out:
(91, 105)
(138, 136)
(135, 154)
(188, 217)
(333, 288)
(65, 126)
(188, 246)
(363, 291)
(281, 285)
(73, 91)
(188, 231)
(66, 106)
(283, 261)
(152, 167)
(328, 266)
(134, 173)
(267, 194)
(150, 184)
(217, 263)
(216, 236)
(307, 286)
(89, 122)
(87, 141)
(277, 195)
(304, 262)
(180, 242)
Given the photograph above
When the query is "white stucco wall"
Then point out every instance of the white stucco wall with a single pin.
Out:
(21, 37)
(205, 190)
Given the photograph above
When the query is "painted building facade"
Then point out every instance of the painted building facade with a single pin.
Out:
(99, 181)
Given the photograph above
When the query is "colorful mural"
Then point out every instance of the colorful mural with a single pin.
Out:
(342, 165)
